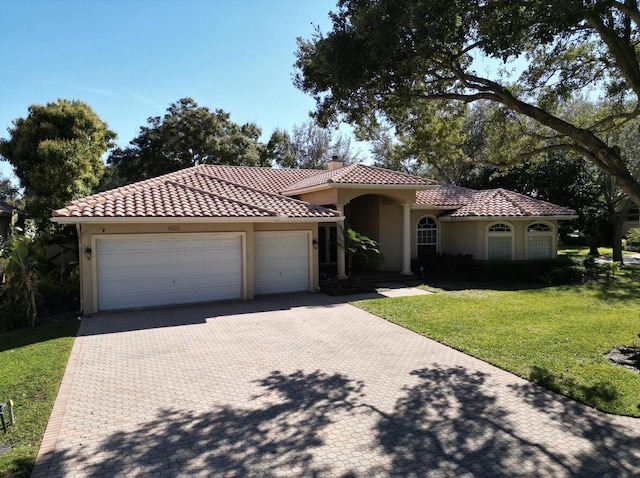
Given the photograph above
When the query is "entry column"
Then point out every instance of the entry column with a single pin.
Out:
(406, 240)
(340, 233)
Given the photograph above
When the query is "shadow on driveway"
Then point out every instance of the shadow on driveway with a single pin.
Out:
(446, 423)
(142, 319)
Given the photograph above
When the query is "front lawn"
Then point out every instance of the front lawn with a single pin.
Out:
(554, 336)
(32, 363)
(584, 251)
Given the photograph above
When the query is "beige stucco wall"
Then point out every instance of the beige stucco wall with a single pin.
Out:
(402, 196)
(324, 197)
(89, 232)
(391, 228)
(470, 236)
(379, 217)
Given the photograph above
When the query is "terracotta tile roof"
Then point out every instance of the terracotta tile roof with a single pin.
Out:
(505, 203)
(359, 174)
(192, 192)
(445, 195)
(264, 179)
(239, 191)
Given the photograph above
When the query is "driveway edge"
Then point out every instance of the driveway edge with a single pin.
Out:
(50, 437)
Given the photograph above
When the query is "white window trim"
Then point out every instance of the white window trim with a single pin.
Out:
(435, 219)
(552, 233)
(488, 234)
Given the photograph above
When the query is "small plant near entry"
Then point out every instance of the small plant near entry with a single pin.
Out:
(361, 247)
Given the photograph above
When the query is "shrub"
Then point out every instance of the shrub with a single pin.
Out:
(56, 296)
(446, 266)
(565, 275)
(521, 271)
(633, 239)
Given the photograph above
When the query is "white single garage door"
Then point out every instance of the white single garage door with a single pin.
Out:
(146, 271)
(281, 262)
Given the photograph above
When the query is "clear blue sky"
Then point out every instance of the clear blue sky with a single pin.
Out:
(130, 59)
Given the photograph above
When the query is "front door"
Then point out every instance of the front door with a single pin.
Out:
(327, 243)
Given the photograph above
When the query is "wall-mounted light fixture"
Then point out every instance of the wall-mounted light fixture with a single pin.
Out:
(87, 253)
(315, 243)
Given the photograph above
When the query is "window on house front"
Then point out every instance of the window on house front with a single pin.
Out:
(427, 236)
(539, 241)
(499, 242)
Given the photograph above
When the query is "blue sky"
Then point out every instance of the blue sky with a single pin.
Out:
(130, 59)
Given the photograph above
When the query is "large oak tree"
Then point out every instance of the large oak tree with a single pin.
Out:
(387, 56)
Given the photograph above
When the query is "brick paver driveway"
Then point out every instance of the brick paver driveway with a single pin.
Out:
(275, 387)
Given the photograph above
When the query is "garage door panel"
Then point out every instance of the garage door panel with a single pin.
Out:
(140, 272)
(281, 262)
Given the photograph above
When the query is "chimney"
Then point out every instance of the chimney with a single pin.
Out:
(335, 163)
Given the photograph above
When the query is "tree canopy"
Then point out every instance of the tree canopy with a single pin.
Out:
(56, 154)
(387, 56)
(428, 140)
(309, 146)
(8, 192)
(187, 135)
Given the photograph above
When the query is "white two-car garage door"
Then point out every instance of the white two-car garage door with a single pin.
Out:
(151, 270)
(281, 262)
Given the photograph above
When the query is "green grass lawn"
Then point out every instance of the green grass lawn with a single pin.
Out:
(554, 336)
(32, 363)
(584, 251)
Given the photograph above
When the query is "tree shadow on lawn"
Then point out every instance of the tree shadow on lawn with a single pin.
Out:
(626, 286)
(15, 339)
(447, 421)
(615, 440)
(461, 285)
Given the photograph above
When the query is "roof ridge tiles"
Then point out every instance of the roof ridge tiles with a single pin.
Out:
(251, 188)
(225, 198)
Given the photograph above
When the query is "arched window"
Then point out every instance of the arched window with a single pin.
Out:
(539, 241)
(427, 238)
(499, 241)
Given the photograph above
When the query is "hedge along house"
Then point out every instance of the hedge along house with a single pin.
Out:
(212, 233)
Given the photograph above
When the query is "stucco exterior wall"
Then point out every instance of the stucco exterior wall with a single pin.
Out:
(324, 197)
(402, 196)
(390, 234)
(88, 232)
(462, 238)
(470, 236)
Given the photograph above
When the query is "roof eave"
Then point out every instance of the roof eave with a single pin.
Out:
(419, 207)
(199, 219)
(508, 218)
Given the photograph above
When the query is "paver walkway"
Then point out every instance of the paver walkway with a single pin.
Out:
(304, 385)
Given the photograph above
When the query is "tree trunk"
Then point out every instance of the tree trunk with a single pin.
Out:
(618, 223)
(593, 245)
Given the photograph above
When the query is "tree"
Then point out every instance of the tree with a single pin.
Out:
(392, 54)
(428, 141)
(8, 192)
(56, 154)
(310, 147)
(187, 135)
